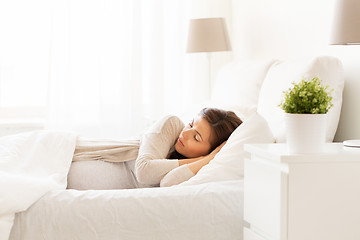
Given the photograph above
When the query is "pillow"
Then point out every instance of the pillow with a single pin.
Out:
(228, 164)
(238, 83)
(236, 89)
(283, 73)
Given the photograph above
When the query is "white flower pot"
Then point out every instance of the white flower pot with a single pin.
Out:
(305, 133)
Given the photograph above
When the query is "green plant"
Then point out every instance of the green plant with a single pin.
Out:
(307, 97)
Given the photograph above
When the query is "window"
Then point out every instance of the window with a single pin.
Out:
(24, 55)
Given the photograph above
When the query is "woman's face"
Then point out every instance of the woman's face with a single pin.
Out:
(194, 140)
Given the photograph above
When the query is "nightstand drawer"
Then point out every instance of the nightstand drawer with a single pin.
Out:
(265, 185)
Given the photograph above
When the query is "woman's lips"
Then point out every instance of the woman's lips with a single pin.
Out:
(181, 143)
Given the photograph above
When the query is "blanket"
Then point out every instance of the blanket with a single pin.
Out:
(105, 150)
(31, 164)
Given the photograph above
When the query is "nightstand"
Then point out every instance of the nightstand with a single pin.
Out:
(301, 197)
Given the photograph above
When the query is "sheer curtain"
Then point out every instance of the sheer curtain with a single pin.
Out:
(96, 71)
(106, 68)
(24, 39)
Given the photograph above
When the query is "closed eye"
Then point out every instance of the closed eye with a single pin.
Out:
(197, 133)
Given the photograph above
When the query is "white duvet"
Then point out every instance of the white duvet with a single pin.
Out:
(31, 164)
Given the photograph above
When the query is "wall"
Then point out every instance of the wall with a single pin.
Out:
(288, 29)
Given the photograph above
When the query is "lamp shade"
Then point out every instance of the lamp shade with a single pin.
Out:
(208, 35)
(346, 27)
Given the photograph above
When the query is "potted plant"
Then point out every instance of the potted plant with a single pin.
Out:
(306, 105)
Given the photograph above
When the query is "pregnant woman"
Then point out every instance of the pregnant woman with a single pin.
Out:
(169, 153)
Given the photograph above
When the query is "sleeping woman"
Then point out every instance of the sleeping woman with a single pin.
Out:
(169, 153)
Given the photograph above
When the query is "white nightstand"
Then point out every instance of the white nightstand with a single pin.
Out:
(301, 197)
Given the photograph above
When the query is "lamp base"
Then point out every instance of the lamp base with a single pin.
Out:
(352, 143)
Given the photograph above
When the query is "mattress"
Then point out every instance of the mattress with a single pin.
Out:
(205, 211)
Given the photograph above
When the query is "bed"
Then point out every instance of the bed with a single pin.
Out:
(205, 211)
(210, 204)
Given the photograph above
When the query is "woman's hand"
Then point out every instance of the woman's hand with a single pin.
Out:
(196, 166)
(206, 158)
(215, 151)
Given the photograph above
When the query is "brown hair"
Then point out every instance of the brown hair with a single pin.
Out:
(222, 124)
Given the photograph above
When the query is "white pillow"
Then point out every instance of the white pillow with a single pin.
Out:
(238, 83)
(228, 164)
(283, 73)
(236, 89)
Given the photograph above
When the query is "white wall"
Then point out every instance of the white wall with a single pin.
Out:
(349, 126)
(287, 29)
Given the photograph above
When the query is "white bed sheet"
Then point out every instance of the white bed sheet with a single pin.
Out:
(206, 211)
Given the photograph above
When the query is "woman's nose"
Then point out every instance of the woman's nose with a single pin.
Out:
(186, 133)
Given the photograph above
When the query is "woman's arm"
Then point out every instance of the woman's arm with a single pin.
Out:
(197, 165)
(151, 164)
(187, 170)
(189, 160)
(203, 159)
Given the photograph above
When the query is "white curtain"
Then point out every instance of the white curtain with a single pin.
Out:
(112, 67)
(24, 39)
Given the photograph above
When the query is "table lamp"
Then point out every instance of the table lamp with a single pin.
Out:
(208, 35)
